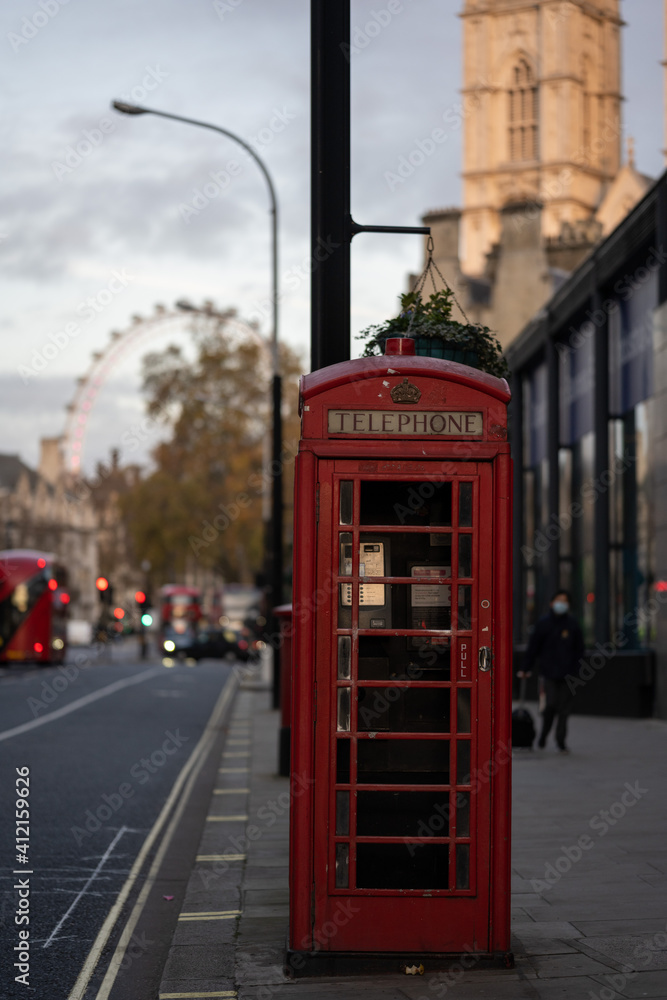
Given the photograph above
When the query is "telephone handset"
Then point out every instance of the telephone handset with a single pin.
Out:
(374, 598)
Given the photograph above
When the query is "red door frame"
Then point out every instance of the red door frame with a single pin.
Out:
(312, 604)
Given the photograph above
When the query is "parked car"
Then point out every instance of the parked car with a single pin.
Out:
(176, 641)
(223, 643)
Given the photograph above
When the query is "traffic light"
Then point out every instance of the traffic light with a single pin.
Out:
(105, 589)
(143, 604)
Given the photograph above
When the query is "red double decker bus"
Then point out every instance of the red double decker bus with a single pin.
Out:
(180, 611)
(33, 607)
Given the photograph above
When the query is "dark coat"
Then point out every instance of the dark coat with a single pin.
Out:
(558, 643)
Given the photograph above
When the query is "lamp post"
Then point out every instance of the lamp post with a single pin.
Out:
(276, 582)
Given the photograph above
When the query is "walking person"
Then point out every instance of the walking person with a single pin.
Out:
(557, 643)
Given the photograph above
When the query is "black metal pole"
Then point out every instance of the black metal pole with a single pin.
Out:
(601, 523)
(332, 226)
(552, 568)
(330, 180)
(276, 529)
(516, 439)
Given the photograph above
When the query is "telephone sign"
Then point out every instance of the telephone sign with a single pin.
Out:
(401, 665)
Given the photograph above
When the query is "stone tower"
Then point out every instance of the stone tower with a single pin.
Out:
(541, 86)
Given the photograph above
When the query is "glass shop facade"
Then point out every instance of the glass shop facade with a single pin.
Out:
(589, 404)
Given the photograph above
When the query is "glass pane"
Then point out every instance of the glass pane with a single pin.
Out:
(387, 658)
(462, 814)
(399, 554)
(345, 558)
(342, 866)
(344, 657)
(463, 710)
(465, 606)
(343, 724)
(343, 814)
(465, 505)
(410, 503)
(465, 556)
(565, 499)
(403, 762)
(346, 502)
(430, 604)
(403, 866)
(402, 814)
(403, 710)
(342, 762)
(463, 762)
(463, 866)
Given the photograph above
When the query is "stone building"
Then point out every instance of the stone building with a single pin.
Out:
(37, 511)
(543, 181)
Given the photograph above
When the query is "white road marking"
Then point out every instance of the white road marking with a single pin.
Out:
(52, 936)
(80, 702)
(182, 787)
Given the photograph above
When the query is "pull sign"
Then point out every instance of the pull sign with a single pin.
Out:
(485, 658)
(464, 662)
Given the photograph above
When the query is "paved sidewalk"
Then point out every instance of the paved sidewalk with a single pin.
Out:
(589, 876)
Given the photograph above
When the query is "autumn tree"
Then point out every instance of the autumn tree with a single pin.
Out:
(203, 504)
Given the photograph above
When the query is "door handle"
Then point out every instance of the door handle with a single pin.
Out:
(485, 658)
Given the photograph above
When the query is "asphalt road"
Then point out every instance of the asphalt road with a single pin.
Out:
(100, 772)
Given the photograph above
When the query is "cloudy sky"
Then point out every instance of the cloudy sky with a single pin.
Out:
(104, 216)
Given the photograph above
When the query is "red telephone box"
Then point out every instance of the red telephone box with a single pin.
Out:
(400, 830)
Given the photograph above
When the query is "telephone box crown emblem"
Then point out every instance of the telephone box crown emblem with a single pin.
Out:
(406, 392)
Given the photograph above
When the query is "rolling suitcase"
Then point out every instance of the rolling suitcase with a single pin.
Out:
(523, 727)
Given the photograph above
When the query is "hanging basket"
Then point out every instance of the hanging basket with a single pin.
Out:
(435, 333)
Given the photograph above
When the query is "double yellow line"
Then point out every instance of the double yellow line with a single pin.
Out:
(177, 801)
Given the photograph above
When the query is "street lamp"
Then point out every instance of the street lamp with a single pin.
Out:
(276, 391)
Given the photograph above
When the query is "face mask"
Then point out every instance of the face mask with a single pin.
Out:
(560, 607)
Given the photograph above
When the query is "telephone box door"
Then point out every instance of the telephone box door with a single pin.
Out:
(404, 654)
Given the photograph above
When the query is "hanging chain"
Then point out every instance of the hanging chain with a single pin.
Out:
(418, 286)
